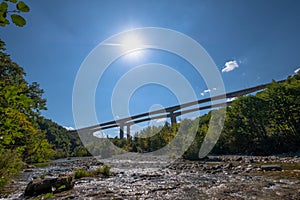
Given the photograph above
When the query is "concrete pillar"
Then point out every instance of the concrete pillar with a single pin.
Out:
(128, 131)
(173, 118)
(121, 131)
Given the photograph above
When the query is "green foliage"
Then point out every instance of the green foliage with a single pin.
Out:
(10, 164)
(80, 173)
(264, 124)
(65, 143)
(62, 187)
(150, 139)
(16, 8)
(20, 106)
(22, 7)
(80, 151)
(49, 195)
(104, 170)
(18, 20)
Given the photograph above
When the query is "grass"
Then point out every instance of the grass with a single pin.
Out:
(49, 195)
(80, 173)
(105, 170)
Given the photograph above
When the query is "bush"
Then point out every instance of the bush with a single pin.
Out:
(105, 170)
(10, 164)
(80, 173)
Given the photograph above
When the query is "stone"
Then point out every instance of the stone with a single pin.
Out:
(228, 166)
(31, 166)
(49, 184)
(28, 170)
(248, 170)
(271, 168)
(239, 158)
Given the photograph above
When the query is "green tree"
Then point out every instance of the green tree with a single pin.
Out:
(10, 12)
(20, 106)
(283, 108)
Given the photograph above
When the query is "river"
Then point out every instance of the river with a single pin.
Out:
(219, 177)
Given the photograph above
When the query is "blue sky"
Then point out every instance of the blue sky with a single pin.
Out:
(256, 40)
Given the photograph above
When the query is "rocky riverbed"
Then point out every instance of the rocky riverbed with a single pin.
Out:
(217, 177)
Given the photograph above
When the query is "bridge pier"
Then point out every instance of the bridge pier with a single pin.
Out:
(173, 118)
(121, 131)
(128, 131)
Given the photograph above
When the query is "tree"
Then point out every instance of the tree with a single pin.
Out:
(284, 105)
(20, 106)
(10, 9)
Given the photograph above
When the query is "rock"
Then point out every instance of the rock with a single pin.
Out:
(217, 167)
(249, 160)
(266, 159)
(49, 184)
(228, 166)
(248, 170)
(271, 168)
(240, 167)
(28, 170)
(239, 158)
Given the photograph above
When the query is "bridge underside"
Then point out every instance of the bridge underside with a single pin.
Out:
(171, 112)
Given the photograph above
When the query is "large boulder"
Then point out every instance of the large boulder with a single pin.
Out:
(49, 184)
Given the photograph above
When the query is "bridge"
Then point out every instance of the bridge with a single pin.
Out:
(171, 112)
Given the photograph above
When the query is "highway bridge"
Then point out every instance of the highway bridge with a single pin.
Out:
(171, 112)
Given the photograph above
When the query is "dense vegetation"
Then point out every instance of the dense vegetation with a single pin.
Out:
(266, 123)
(25, 136)
(65, 143)
(21, 103)
(262, 124)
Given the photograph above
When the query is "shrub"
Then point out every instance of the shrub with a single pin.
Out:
(105, 170)
(81, 173)
(10, 164)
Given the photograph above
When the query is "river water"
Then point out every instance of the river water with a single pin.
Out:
(217, 178)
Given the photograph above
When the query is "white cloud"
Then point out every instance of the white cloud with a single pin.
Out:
(69, 128)
(231, 99)
(230, 65)
(207, 91)
(158, 122)
(297, 70)
(162, 120)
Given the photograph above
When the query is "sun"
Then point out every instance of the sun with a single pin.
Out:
(133, 44)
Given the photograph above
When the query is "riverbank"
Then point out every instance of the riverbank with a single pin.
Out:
(219, 177)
